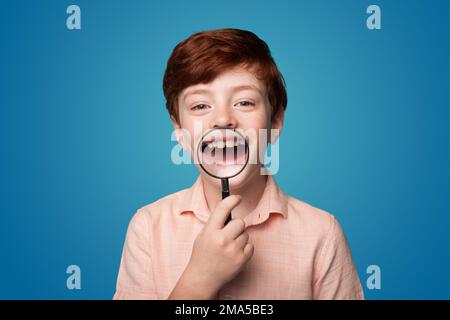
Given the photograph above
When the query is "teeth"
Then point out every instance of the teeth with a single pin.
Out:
(222, 144)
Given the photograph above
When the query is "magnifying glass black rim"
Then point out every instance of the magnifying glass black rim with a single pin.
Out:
(199, 148)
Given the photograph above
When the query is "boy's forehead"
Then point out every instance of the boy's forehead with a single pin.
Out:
(232, 80)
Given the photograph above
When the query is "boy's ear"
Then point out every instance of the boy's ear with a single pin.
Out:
(277, 124)
(178, 132)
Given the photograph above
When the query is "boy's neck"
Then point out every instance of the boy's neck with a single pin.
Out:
(251, 195)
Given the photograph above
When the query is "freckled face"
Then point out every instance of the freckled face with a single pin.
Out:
(236, 99)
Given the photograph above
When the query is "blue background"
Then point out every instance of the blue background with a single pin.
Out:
(85, 137)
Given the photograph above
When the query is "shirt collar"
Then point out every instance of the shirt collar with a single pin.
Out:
(273, 200)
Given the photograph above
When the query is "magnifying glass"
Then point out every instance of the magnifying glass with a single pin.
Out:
(223, 153)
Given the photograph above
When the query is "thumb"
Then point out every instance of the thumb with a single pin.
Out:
(222, 210)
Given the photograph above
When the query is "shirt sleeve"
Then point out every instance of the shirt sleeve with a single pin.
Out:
(135, 280)
(336, 276)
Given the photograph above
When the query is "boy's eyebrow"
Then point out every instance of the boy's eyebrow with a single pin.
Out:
(233, 90)
(196, 91)
(245, 87)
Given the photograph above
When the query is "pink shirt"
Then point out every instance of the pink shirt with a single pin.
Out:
(300, 251)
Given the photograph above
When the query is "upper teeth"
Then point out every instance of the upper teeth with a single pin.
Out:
(222, 144)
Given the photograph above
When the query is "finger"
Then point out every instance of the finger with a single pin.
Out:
(234, 228)
(223, 209)
(248, 251)
(242, 240)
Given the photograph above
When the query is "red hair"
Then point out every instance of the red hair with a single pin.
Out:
(204, 55)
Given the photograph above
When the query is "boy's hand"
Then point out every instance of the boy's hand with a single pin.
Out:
(219, 252)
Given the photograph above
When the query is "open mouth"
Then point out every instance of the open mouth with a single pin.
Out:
(224, 151)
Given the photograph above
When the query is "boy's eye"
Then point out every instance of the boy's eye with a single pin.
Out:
(244, 103)
(200, 107)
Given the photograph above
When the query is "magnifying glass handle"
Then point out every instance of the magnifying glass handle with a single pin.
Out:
(226, 193)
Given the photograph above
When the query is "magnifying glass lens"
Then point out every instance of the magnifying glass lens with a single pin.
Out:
(222, 153)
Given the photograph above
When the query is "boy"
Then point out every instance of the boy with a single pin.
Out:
(275, 246)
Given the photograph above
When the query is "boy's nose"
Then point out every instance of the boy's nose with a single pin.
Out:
(223, 119)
